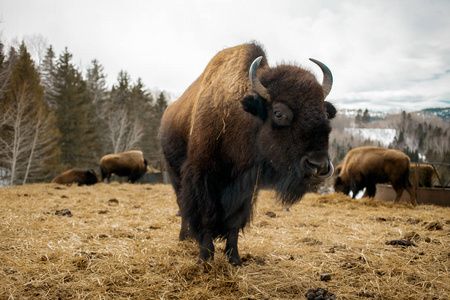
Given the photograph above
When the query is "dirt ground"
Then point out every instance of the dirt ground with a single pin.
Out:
(120, 241)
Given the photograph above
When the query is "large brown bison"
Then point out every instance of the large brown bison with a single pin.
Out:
(131, 163)
(234, 131)
(364, 167)
(79, 176)
(425, 174)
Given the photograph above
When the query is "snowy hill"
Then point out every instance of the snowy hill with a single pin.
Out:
(443, 113)
(383, 135)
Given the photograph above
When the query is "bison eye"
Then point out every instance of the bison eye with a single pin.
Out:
(282, 115)
(278, 114)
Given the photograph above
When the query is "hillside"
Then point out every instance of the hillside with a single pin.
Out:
(443, 113)
(119, 241)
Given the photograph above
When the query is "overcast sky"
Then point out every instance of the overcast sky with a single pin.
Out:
(384, 55)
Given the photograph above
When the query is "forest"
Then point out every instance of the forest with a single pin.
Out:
(55, 116)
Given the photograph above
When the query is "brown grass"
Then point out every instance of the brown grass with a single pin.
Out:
(129, 249)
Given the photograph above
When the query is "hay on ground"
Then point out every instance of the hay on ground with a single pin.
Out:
(120, 241)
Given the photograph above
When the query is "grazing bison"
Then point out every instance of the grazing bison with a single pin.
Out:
(80, 176)
(132, 164)
(425, 174)
(364, 167)
(234, 131)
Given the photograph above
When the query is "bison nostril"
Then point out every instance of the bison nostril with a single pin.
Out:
(319, 169)
(312, 167)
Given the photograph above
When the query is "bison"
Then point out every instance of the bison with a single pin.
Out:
(425, 172)
(242, 126)
(80, 176)
(132, 164)
(364, 167)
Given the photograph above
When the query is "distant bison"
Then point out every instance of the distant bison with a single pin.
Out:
(132, 164)
(80, 176)
(233, 132)
(366, 166)
(425, 172)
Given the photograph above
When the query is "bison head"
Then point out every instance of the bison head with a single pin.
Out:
(293, 136)
(341, 186)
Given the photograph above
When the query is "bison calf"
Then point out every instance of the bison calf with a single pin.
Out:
(364, 167)
(80, 176)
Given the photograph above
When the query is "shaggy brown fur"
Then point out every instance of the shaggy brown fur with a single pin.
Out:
(80, 176)
(364, 167)
(426, 173)
(222, 141)
(132, 164)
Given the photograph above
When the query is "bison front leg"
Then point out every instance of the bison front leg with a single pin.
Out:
(184, 231)
(371, 190)
(231, 248)
(206, 247)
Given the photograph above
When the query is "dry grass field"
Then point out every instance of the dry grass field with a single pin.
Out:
(120, 241)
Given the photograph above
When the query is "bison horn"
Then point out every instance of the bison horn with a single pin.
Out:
(254, 81)
(327, 81)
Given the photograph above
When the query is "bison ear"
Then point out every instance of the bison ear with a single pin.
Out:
(255, 105)
(331, 110)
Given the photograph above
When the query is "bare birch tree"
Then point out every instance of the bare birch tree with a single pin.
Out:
(124, 133)
(29, 138)
(37, 45)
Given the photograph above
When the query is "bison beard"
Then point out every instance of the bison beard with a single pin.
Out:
(227, 136)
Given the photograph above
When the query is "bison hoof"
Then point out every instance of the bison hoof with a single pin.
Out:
(235, 261)
(203, 262)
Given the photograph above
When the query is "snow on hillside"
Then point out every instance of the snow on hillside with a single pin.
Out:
(382, 135)
(354, 113)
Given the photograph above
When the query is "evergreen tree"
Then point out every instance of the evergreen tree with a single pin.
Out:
(121, 93)
(141, 110)
(160, 105)
(358, 117)
(366, 117)
(421, 135)
(158, 110)
(48, 77)
(6, 68)
(74, 111)
(96, 85)
(98, 95)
